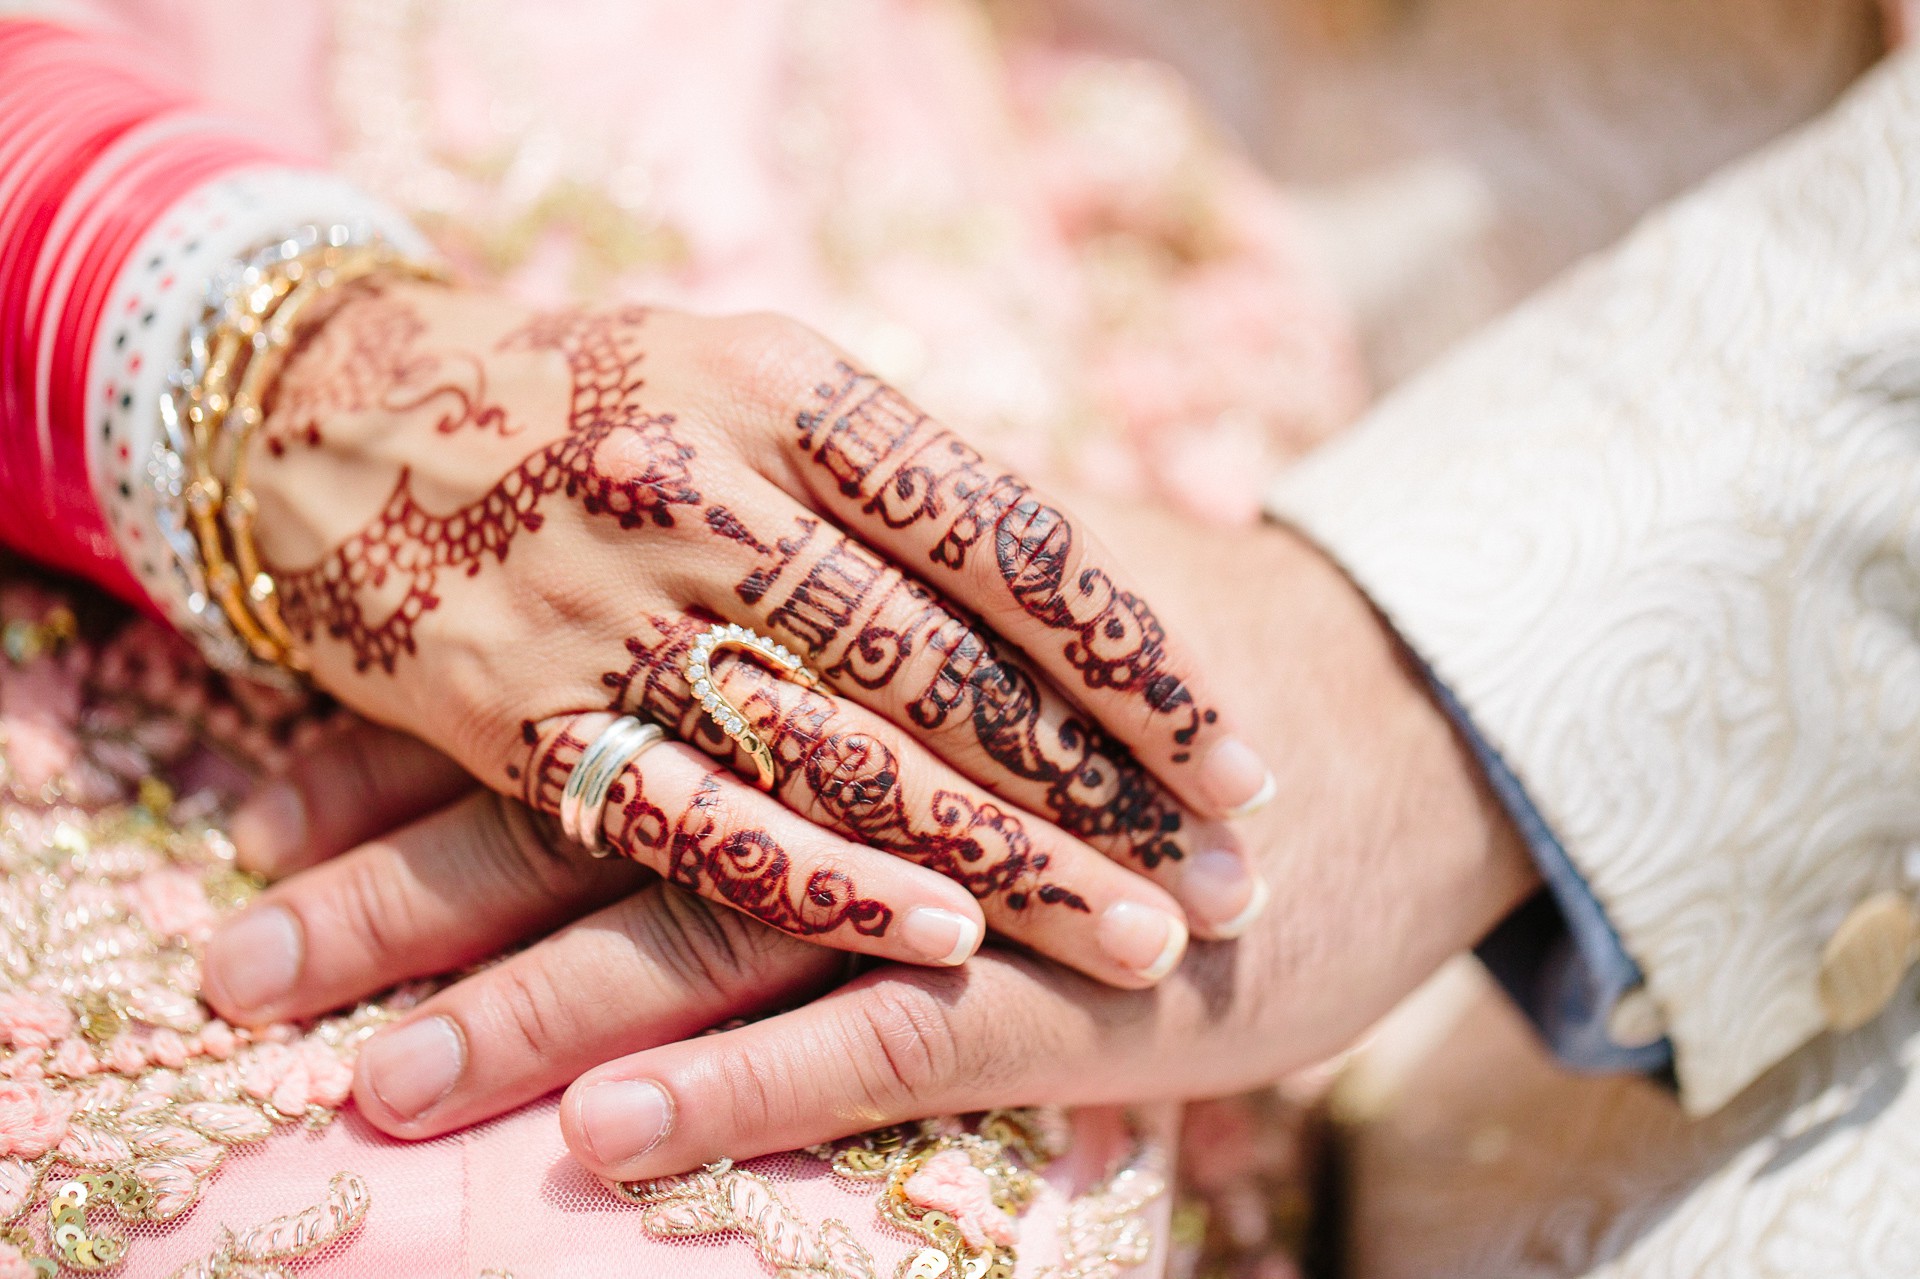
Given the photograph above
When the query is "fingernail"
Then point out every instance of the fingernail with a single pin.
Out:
(623, 1119)
(1142, 940)
(1235, 778)
(939, 936)
(253, 961)
(1222, 892)
(270, 828)
(412, 1068)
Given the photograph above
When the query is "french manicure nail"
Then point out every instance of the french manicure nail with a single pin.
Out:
(1222, 892)
(1236, 927)
(939, 936)
(1235, 778)
(1142, 940)
(623, 1119)
(270, 827)
(412, 1068)
(254, 961)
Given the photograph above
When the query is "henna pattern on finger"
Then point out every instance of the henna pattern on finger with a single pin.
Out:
(616, 459)
(753, 588)
(1094, 787)
(751, 871)
(851, 778)
(364, 358)
(906, 470)
(704, 852)
(825, 601)
(867, 623)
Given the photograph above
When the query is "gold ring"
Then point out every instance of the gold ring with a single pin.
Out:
(725, 714)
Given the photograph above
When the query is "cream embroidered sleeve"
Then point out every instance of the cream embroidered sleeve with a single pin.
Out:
(1660, 531)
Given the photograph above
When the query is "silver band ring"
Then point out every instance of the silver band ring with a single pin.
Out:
(583, 804)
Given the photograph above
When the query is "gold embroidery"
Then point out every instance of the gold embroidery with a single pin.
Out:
(120, 1093)
(1008, 1148)
(1101, 1231)
(257, 1253)
(721, 1198)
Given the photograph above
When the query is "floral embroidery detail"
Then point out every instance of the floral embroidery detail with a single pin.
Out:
(957, 1188)
(120, 1093)
(258, 1253)
(972, 1186)
(1103, 1234)
(948, 1182)
(33, 1119)
(721, 1198)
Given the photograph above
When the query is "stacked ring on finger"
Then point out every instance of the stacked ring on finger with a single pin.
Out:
(583, 803)
(699, 673)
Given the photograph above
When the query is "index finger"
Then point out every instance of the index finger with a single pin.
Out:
(993, 542)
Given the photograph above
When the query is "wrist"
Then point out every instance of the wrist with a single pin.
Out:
(1324, 682)
(394, 378)
(1439, 836)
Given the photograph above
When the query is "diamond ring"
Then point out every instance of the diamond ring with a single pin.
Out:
(699, 673)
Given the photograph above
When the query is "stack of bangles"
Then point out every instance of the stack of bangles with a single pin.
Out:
(212, 407)
(215, 403)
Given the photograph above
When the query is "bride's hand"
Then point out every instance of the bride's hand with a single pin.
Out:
(1387, 851)
(497, 529)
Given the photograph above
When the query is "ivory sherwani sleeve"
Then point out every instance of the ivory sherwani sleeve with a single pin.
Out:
(1659, 531)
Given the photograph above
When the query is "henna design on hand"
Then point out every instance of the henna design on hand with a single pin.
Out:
(406, 548)
(364, 358)
(1094, 788)
(744, 867)
(854, 776)
(749, 869)
(754, 587)
(906, 469)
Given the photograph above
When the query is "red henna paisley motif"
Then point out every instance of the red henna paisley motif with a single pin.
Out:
(364, 359)
(407, 548)
(907, 469)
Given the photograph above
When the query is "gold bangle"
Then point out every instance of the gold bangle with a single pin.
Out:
(244, 353)
(208, 401)
(271, 344)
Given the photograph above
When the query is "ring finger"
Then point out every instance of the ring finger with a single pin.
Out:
(674, 811)
(892, 645)
(840, 765)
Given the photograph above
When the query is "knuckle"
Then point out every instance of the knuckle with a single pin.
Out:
(524, 1007)
(772, 1087)
(376, 909)
(901, 1045)
(526, 853)
(705, 947)
(770, 360)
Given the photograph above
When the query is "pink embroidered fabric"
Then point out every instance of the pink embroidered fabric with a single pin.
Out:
(1046, 244)
(137, 1131)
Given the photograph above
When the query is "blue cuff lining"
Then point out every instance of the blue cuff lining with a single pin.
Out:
(1557, 956)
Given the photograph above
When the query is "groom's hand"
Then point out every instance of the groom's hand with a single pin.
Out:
(1385, 852)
